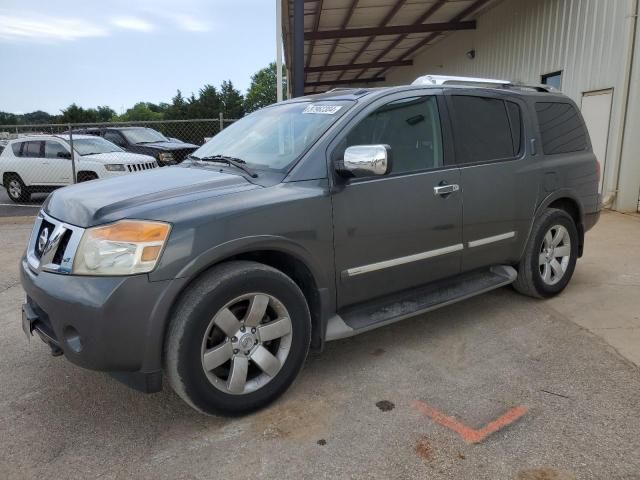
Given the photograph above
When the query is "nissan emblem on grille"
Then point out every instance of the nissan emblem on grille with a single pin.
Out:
(42, 240)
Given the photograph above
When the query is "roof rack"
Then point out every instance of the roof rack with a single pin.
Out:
(474, 81)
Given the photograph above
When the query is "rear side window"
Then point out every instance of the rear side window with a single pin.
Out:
(561, 128)
(17, 147)
(482, 129)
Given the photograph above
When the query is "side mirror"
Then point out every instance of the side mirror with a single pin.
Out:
(367, 160)
(64, 155)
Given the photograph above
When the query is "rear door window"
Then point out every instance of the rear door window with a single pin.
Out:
(561, 128)
(482, 129)
(32, 150)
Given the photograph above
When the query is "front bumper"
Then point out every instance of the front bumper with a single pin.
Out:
(112, 324)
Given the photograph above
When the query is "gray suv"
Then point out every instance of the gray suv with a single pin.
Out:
(310, 220)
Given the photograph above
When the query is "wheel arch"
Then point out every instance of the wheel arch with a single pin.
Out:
(567, 201)
(7, 175)
(279, 253)
(90, 173)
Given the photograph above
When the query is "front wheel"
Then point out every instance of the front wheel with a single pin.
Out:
(238, 338)
(550, 256)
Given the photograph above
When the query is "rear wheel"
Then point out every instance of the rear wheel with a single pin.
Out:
(550, 257)
(16, 189)
(238, 338)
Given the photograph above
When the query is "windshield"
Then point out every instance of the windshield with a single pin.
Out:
(274, 137)
(89, 146)
(143, 135)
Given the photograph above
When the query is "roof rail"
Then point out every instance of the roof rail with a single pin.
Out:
(453, 80)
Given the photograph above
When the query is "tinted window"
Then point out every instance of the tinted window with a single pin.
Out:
(51, 149)
(481, 129)
(114, 137)
(16, 148)
(31, 149)
(410, 126)
(561, 128)
(515, 118)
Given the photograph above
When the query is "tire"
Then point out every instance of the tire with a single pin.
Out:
(16, 189)
(544, 270)
(86, 176)
(202, 334)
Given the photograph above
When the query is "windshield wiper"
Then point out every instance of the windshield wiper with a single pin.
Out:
(233, 161)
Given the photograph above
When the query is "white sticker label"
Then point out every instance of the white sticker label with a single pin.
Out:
(322, 109)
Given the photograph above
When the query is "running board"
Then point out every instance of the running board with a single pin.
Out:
(385, 311)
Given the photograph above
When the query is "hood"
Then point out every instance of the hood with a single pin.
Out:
(169, 146)
(140, 194)
(118, 157)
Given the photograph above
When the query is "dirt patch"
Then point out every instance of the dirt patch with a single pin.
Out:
(385, 405)
(424, 449)
(322, 441)
(543, 474)
(298, 419)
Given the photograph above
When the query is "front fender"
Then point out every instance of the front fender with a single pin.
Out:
(250, 244)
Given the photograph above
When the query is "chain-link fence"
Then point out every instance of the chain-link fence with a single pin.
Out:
(36, 159)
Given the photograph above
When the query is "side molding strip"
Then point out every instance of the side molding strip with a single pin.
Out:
(352, 272)
(487, 240)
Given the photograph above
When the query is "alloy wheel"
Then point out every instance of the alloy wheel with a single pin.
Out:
(15, 189)
(554, 255)
(246, 343)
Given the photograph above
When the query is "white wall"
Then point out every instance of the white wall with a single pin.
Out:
(589, 40)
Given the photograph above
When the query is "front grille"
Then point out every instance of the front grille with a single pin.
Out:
(52, 245)
(49, 227)
(138, 167)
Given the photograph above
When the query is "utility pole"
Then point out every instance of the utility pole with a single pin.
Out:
(279, 50)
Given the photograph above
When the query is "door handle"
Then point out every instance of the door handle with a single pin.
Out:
(445, 189)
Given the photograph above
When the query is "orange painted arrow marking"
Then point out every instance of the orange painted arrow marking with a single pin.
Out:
(468, 434)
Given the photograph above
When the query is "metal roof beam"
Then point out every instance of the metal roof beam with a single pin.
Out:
(344, 82)
(390, 30)
(355, 66)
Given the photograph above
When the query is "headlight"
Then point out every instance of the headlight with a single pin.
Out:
(114, 167)
(165, 157)
(121, 248)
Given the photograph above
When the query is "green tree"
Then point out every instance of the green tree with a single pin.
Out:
(208, 104)
(104, 113)
(177, 110)
(75, 114)
(231, 100)
(262, 91)
(142, 112)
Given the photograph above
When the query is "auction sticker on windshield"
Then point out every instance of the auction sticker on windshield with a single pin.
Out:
(322, 109)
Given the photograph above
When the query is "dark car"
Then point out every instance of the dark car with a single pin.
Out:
(147, 141)
(310, 220)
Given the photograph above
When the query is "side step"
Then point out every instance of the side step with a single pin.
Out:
(387, 310)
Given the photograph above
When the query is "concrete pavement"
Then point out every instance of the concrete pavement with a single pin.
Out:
(357, 410)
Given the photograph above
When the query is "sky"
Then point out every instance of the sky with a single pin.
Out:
(119, 52)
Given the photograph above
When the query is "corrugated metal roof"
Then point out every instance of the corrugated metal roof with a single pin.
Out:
(334, 61)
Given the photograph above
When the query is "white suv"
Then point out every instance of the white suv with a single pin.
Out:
(41, 163)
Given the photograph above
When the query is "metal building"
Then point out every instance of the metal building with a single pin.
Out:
(590, 49)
